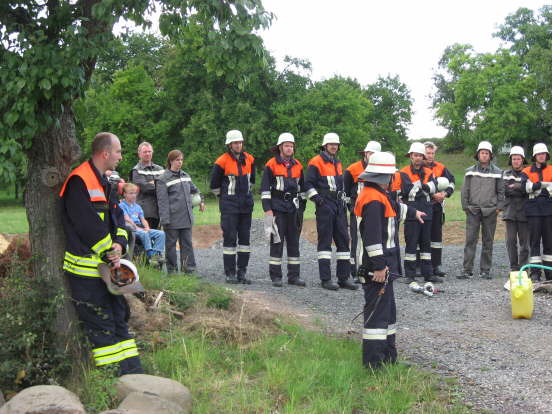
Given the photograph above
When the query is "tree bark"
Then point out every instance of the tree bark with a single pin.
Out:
(51, 157)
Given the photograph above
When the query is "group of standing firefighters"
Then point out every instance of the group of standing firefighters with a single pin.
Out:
(375, 195)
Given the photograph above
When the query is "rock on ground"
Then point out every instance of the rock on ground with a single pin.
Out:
(44, 399)
(164, 388)
(147, 403)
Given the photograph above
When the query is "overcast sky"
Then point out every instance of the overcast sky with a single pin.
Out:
(364, 39)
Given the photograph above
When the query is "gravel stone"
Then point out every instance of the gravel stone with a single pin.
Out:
(502, 364)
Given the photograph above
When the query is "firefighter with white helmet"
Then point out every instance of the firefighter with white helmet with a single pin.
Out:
(379, 257)
(324, 186)
(282, 198)
(232, 177)
(418, 185)
(352, 188)
(482, 200)
(517, 229)
(536, 181)
(445, 188)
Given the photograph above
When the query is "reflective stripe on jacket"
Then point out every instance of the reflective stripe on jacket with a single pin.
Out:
(92, 222)
(323, 174)
(281, 184)
(417, 186)
(144, 177)
(352, 186)
(539, 202)
(483, 190)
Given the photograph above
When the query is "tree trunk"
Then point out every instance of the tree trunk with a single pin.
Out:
(51, 157)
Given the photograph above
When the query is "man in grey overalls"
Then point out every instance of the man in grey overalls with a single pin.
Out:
(517, 229)
(482, 200)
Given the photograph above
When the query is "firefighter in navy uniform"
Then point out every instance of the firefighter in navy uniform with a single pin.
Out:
(94, 229)
(232, 177)
(536, 180)
(352, 188)
(324, 186)
(379, 254)
(437, 200)
(417, 187)
(281, 197)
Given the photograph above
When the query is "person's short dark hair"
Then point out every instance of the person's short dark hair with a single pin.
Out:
(173, 155)
(102, 141)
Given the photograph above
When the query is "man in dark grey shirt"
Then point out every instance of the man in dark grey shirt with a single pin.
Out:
(144, 175)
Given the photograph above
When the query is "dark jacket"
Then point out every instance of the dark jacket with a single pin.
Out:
(144, 177)
(231, 180)
(174, 198)
(282, 184)
(483, 190)
(514, 196)
(537, 184)
(324, 178)
(417, 186)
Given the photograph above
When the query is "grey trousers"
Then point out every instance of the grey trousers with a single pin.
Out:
(517, 232)
(187, 258)
(488, 227)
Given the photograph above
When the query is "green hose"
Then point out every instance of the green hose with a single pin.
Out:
(531, 265)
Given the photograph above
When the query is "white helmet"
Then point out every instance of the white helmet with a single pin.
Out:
(372, 146)
(484, 145)
(381, 163)
(517, 150)
(539, 149)
(417, 147)
(285, 137)
(123, 280)
(196, 199)
(330, 138)
(442, 183)
(233, 136)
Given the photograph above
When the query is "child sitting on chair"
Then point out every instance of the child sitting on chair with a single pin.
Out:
(152, 240)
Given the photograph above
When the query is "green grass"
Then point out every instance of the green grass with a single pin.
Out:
(290, 371)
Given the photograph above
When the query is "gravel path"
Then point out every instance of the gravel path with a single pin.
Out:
(503, 365)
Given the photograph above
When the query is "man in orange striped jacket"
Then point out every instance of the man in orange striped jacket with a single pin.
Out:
(232, 177)
(324, 186)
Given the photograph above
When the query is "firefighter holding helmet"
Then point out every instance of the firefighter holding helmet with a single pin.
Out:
(282, 199)
(95, 235)
(536, 181)
(232, 177)
(324, 186)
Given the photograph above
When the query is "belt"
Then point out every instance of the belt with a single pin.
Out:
(334, 195)
(283, 195)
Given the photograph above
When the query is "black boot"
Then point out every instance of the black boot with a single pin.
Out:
(277, 282)
(432, 279)
(328, 284)
(231, 278)
(241, 276)
(437, 271)
(347, 284)
(297, 282)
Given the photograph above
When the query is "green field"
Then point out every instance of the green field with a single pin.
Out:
(14, 220)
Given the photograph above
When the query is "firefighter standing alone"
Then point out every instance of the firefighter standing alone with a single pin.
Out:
(324, 186)
(281, 197)
(232, 177)
(352, 188)
(94, 229)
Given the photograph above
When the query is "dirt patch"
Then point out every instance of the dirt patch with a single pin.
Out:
(204, 236)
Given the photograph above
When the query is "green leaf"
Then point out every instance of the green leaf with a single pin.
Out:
(45, 84)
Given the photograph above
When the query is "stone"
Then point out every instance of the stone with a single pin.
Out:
(44, 399)
(120, 411)
(147, 403)
(164, 388)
